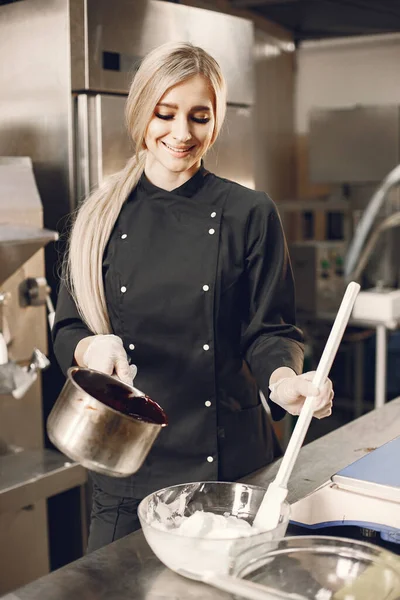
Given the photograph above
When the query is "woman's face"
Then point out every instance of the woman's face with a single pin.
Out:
(179, 132)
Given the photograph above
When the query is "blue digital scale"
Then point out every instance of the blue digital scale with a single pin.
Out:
(365, 494)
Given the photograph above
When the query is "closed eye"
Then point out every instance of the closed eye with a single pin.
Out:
(201, 120)
(164, 117)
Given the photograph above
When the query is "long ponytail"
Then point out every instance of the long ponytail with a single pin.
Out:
(90, 234)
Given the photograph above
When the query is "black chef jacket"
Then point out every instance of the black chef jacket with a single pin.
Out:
(199, 287)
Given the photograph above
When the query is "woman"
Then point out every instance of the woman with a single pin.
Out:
(187, 276)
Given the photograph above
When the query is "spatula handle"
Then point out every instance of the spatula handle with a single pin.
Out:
(321, 374)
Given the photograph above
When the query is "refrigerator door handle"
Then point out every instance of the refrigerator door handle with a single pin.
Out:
(82, 147)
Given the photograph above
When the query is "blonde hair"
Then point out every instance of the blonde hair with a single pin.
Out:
(161, 69)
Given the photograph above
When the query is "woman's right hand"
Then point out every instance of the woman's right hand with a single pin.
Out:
(105, 353)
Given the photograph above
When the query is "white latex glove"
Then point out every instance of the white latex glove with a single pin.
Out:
(290, 393)
(106, 353)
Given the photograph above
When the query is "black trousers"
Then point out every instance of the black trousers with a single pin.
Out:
(112, 518)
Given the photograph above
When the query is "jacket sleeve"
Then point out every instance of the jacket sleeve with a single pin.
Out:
(271, 338)
(68, 329)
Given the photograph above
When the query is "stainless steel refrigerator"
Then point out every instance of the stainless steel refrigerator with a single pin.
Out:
(118, 36)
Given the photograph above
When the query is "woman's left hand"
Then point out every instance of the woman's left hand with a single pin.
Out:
(290, 393)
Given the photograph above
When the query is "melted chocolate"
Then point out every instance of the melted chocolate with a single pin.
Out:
(116, 396)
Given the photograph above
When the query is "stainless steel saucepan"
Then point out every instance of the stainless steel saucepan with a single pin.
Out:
(104, 424)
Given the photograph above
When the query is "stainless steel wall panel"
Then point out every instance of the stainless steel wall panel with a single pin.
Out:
(35, 99)
(357, 144)
(274, 116)
(232, 156)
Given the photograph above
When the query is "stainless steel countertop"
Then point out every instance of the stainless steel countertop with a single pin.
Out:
(127, 569)
(31, 475)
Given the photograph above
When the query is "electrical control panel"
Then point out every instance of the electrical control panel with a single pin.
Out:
(318, 272)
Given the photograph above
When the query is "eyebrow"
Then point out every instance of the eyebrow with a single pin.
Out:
(167, 105)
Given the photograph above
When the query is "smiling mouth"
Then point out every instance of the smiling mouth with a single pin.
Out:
(178, 150)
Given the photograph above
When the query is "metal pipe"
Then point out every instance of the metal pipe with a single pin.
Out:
(367, 220)
(389, 223)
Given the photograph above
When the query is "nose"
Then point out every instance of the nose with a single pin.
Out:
(181, 129)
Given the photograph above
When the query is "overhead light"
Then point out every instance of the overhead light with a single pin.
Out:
(275, 48)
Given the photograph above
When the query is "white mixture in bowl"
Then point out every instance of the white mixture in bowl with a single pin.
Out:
(210, 539)
(209, 525)
(202, 542)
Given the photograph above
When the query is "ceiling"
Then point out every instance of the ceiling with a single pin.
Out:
(318, 19)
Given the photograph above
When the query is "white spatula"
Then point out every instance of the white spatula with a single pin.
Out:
(270, 510)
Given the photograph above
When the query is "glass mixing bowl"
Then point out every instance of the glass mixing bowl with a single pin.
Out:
(323, 568)
(162, 512)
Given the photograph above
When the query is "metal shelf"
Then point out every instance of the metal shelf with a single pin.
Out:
(31, 475)
(18, 243)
